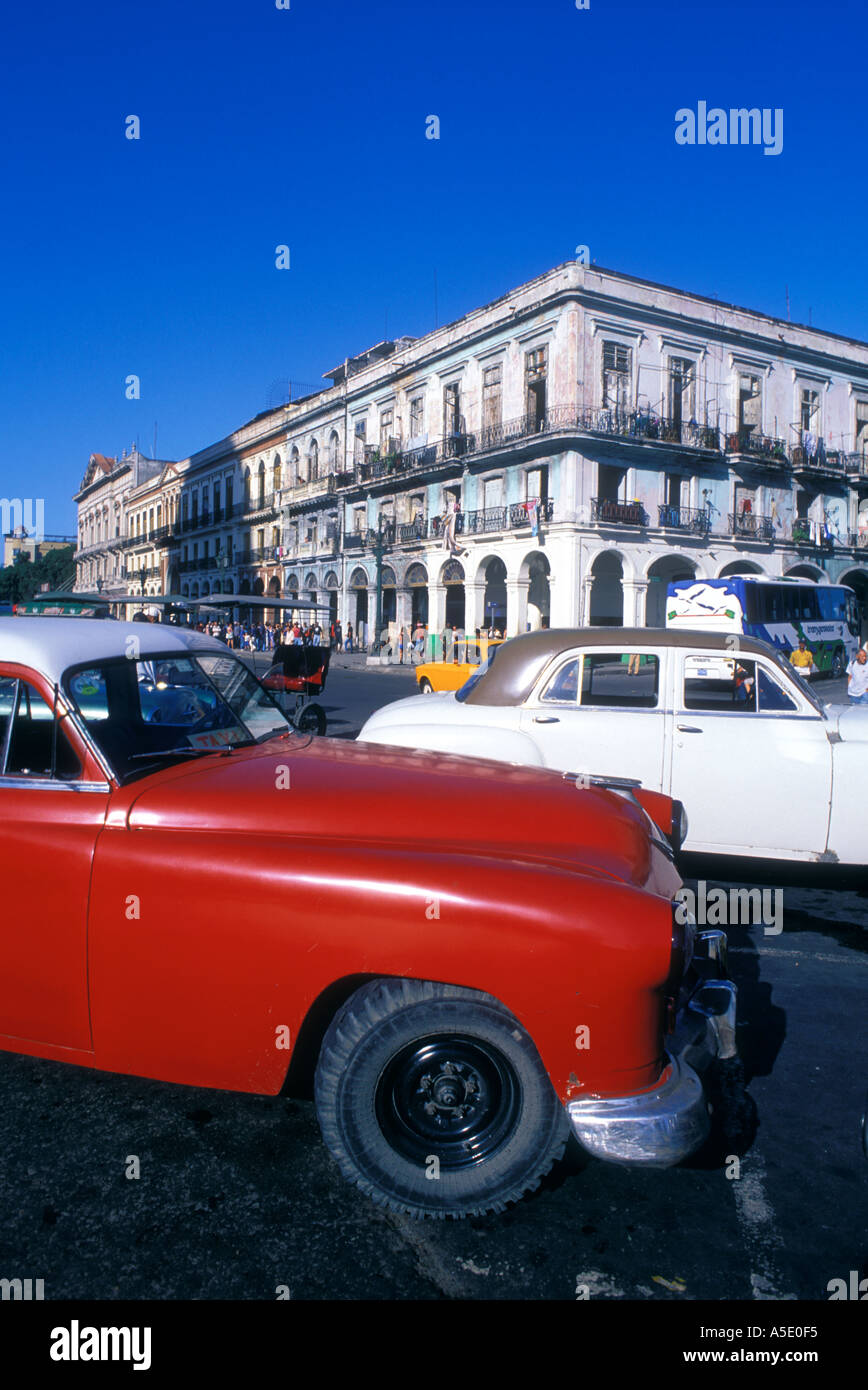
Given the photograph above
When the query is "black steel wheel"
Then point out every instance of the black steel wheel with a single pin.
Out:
(838, 665)
(312, 720)
(433, 1100)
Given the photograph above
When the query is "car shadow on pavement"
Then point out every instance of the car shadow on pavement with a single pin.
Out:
(760, 1032)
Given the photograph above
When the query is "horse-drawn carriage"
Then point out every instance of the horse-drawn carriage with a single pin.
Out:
(297, 675)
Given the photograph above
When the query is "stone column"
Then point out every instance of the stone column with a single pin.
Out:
(516, 606)
(436, 621)
(634, 591)
(474, 606)
(403, 613)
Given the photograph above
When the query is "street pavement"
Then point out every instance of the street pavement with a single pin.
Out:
(237, 1194)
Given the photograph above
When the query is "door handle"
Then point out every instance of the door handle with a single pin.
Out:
(546, 719)
(688, 729)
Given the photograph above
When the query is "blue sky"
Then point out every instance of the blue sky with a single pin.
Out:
(307, 127)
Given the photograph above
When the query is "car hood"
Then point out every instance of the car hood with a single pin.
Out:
(330, 790)
(440, 707)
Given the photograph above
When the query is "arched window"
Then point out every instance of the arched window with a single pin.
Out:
(276, 475)
(294, 468)
(313, 461)
(334, 451)
(261, 501)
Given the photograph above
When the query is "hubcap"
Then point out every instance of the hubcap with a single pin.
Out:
(454, 1097)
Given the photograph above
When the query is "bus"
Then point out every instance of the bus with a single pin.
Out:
(778, 611)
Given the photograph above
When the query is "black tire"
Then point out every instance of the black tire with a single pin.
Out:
(312, 720)
(412, 1071)
(425, 686)
(838, 665)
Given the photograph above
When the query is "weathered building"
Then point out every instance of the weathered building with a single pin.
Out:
(559, 455)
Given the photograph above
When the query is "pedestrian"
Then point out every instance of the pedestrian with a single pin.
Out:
(802, 658)
(857, 678)
(419, 641)
(349, 637)
(339, 638)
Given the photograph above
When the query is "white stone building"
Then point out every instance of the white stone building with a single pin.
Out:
(558, 456)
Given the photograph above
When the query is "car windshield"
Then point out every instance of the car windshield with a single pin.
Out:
(148, 712)
(794, 678)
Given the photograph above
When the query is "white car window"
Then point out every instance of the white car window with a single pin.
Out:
(620, 680)
(736, 685)
(563, 688)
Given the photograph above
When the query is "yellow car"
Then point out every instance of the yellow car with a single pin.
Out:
(451, 675)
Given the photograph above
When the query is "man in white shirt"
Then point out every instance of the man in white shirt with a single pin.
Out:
(857, 678)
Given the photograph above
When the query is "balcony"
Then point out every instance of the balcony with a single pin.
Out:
(813, 533)
(859, 540)
(856, 465)
(647, 426)
(558, 417)
(489, 520)
(607, 513)
(265, 509)
(758, 446)
(694, 520)
(752, 527)
(303, 492)
(819, 461)
(412, 531)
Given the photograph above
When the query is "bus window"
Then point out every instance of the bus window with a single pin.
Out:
(853, 621)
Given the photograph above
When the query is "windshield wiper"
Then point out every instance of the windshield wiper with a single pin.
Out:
(173, 753)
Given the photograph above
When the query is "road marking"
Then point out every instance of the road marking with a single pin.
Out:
(759, 1233)
(800, 955)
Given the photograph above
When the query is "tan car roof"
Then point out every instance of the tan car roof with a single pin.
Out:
(520, 661)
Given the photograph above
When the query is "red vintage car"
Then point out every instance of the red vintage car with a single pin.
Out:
(466, 962)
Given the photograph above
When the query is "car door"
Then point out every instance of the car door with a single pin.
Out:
(50, 823)
(602, 710)
(750, 760)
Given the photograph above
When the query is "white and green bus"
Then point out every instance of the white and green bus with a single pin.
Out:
(779, 611)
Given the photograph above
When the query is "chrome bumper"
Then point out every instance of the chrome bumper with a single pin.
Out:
(659, 1128)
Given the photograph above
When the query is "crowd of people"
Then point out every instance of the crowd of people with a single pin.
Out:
(408, 644)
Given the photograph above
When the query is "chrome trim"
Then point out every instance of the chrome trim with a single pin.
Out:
(51, 784)
(742, 713)
(713, 944)
(716, 1001)
(656, 1129)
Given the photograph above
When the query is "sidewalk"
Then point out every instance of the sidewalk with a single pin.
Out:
(340, 661)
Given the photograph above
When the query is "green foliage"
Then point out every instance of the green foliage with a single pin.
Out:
(23, 579)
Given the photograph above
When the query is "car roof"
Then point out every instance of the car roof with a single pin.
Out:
(52, 645)
(520, 661)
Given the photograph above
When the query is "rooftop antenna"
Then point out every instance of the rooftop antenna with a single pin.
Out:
(155, 439)
(787, 288)
(436, 313)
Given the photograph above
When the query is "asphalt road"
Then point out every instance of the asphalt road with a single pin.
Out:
(238, 1196)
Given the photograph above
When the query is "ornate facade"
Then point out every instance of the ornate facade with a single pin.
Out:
(559, 455)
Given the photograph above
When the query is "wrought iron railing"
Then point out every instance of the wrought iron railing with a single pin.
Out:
(607, 512)
(492, 519)
(760, 445)
(697, 520)
(752, 526)
(642, 424)
(855, 463)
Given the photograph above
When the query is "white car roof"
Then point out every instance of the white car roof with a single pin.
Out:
(51, 645)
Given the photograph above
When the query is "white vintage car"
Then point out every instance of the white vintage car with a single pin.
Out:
(722, 723)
